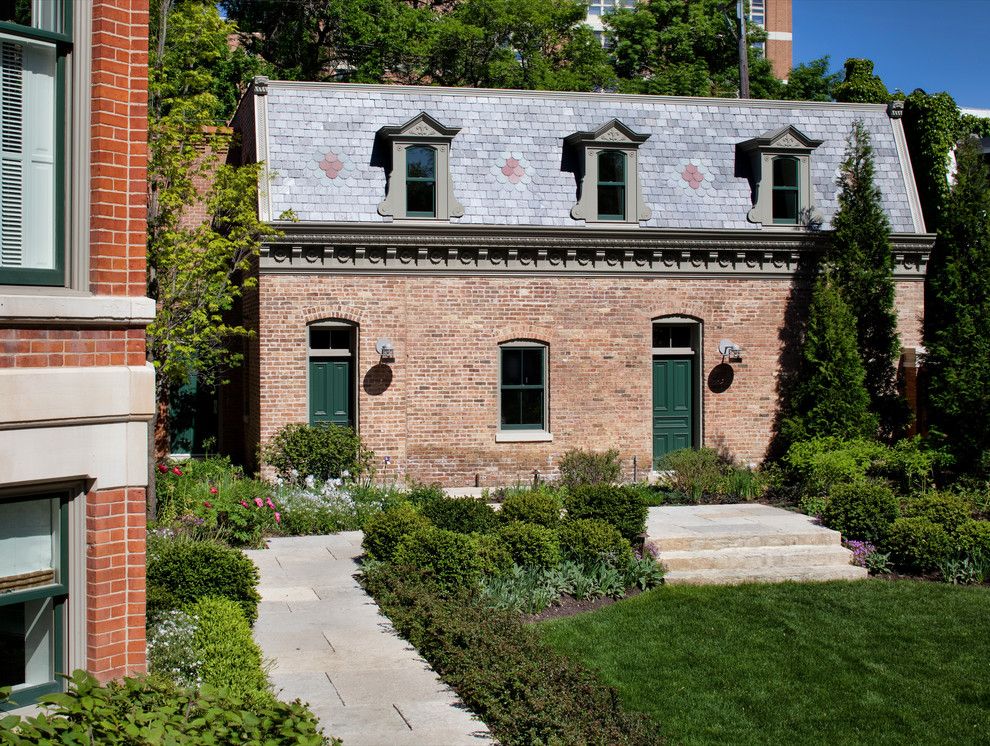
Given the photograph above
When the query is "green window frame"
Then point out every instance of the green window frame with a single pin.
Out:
(786, 207)
(43, 603)
(522, 387)
(32, 219)
(612, 184)
(421, 181)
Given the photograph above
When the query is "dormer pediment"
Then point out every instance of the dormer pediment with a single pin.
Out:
(612, 132)
(788, 137)
(421, 127)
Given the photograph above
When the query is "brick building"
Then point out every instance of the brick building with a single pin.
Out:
(76, 394)
(481, 280)
(776, 17)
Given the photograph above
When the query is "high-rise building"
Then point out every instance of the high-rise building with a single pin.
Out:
(774, 16)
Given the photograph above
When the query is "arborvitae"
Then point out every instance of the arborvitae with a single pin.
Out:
(830, 396)
(863, 268)
(957, 332)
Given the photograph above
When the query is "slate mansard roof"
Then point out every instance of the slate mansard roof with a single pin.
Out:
(507, 160)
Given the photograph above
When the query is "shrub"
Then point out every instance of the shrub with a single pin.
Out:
(229, 657)
(821, 463)
(170, 648)
(465, 515)
(332, 507)
(974, 538)
(324, 451)
(644, 573)
(944, 508)
(862, 510)
(420, 494)
(694, 471)
(523, 690)
(623, 508)
(447, 558)
(152, 710)
(589, 540)
(492, 553)
(917, 544)
(541, 506)
(530, 545)
(383, 532)
(579, 467)
(180, 571)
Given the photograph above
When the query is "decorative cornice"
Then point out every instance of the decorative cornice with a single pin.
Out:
(473, 249)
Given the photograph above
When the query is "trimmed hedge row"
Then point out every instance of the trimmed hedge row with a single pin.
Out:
(526, 692)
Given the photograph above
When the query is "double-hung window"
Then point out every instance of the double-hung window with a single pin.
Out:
(523, 387)
(421, 182)
(33, 592)
(786, 190)
(35, 37)
(611, 185)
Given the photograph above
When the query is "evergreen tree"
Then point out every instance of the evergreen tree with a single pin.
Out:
(829, 395)
(862, 263)
(958, 317)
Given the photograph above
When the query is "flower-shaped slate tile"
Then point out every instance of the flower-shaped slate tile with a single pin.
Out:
(694, 175)
(333, 166)
(513, 170)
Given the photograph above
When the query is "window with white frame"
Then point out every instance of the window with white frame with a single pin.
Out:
(35, 38)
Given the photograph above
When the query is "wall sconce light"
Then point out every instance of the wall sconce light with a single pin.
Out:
(386, 350)
(729, 349)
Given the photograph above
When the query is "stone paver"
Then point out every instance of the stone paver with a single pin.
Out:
(332, 648)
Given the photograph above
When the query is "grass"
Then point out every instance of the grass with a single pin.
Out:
(836, 663)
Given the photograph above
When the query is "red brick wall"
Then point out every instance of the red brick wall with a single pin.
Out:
(119, 146)
(438, 417)
(115, 558)
(55, 348)
(780, 52)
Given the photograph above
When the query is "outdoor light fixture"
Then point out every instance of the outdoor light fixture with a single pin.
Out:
(386, 350)
(729, 349)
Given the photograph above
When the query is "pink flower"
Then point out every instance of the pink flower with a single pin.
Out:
(214, 491)
(245, 504)
(177, 471)
(207, 504)
(278, 517)
(162, 468)
(259, 502)
(270, 503)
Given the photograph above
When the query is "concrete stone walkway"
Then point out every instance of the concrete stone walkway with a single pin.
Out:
(333, 649)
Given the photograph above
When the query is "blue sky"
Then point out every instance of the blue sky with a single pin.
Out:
(937, 45)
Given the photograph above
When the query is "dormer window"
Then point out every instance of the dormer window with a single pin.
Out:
(421, 182)
(780, 163)
(608, 175)
(786, 190)
(611, 185)
(419, 186)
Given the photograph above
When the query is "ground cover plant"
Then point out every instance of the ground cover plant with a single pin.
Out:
(703, 475)
(885, 662)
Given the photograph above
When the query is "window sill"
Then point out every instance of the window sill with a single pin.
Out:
(84, 310)
(523, 436)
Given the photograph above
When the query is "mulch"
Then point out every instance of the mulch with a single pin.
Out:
(569, 606)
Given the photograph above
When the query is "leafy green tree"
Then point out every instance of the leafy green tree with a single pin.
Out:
(195, 269)
(829, 396)
(673, 47)
(862, 262)
(957, 333)
(811, 81)
(931, 124)
(860, 85)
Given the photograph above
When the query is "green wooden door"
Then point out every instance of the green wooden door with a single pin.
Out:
(672, 405)
(330, 398)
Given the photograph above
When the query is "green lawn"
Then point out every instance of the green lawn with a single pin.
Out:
(839, 663)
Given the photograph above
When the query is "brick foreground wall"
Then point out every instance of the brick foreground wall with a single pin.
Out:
(438, 416)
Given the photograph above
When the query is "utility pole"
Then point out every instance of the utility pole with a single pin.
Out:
(743, 50)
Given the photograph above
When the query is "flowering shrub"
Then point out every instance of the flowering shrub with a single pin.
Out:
(325, 451)
(170, 648)
(331, 506)
(867, 555)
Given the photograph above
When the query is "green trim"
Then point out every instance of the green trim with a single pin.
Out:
(54, 277)
(30, 32)
(796, 189)
(431, 180)
(621, 184)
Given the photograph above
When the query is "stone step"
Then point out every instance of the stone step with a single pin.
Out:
(813, 535)
(745, 558)
(765, 575)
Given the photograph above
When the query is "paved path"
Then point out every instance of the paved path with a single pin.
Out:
(333, 649)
